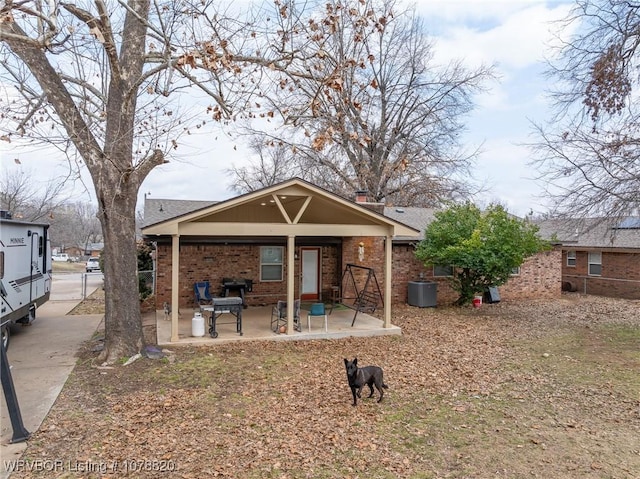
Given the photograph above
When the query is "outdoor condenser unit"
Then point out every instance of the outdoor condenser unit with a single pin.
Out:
(422, 294)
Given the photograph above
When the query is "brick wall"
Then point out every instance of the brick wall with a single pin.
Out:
(373, 258)
(213, 262)
(620, 276)
(407, 268)
(539, 276)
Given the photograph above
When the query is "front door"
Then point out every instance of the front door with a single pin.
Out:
(310, 266)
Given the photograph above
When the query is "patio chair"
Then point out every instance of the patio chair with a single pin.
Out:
(317, 309)
(202, 294)
(279, 316)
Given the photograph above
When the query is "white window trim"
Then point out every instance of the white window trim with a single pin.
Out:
(281, 264)
(590, 262)
(571, 255)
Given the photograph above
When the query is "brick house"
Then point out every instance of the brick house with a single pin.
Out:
(291, 240)
(296, 240)
(539, 277)
(598, 257)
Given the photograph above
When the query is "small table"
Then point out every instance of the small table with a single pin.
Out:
(221, 306)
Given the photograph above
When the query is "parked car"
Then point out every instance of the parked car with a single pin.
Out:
(60, 257)
(93, 264)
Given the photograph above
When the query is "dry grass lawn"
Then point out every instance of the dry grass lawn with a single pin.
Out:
(536, 389)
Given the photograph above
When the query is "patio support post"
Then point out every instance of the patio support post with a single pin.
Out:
(175, 283)
(388, 257)
(291, 281)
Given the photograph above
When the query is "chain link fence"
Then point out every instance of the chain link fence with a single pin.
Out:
(146, 283)
(76, 286)
(600, 286)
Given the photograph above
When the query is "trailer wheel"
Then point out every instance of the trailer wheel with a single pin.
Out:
(6, 333)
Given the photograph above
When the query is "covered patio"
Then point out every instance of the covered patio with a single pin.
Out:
(305, 227)
(256, 325)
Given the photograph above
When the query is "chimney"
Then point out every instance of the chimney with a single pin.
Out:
(362, 200)
(361, 196)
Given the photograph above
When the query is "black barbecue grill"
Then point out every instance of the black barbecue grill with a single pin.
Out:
(240, 285)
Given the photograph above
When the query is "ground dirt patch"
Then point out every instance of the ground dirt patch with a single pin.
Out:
(511, 390)
(92, 304)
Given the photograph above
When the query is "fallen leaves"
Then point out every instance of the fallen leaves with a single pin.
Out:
(469, 394)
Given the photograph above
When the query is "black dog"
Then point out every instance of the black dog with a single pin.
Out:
(368, 375)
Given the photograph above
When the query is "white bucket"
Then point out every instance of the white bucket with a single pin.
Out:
(477, 301)
(197, 325)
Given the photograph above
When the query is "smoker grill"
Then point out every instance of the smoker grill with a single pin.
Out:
(241, 285)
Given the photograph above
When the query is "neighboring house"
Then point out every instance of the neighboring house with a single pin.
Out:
(295, 240)
(598, 257)
(74, 251)
(93, 249)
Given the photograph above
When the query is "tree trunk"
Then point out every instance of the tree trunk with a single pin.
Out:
(123, 322)
(467, 287)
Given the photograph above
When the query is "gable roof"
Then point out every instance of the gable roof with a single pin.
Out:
(159, 210)
(414, 216)
(595, 233)
(272, 211)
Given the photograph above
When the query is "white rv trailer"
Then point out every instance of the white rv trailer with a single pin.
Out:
(25, 271)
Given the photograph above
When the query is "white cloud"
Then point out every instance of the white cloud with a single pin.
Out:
(514, 36)
(466, 11)
(199, 172)
(505, 170)
(511, 40)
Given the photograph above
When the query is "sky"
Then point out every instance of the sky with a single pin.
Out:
(511, 34)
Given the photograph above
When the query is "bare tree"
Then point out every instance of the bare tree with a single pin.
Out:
(100, 81)
(75, 224)
(71, 224)
(80, 69)
(274, 163)
(28, 200)
(373, 111)
(589, 153)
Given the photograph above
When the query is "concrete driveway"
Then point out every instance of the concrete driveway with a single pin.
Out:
(41, 357)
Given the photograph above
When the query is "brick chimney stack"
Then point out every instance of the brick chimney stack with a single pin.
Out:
(362, 198)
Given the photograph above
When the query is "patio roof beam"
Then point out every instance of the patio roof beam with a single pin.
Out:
(303, 208)
(283, 212)
(281, 229)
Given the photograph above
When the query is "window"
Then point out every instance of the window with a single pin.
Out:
(271, 263)
(571, 258)
(439, 270)
(595, 263)
(515, 271)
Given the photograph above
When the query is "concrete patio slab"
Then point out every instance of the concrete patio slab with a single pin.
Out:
(256, 325)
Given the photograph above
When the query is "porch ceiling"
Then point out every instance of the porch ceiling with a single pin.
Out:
(286, 209)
